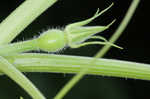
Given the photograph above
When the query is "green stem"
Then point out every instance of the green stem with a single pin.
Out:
(8, 69)
(116, 35)
(121, 27)
(31, 62)
(18, 47)
(20, 18)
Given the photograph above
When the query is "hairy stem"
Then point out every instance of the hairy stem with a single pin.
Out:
(31, 62)
(18, 47)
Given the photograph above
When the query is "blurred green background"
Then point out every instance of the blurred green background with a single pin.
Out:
(135, 41)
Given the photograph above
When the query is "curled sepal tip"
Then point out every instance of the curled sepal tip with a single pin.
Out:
(84, 22)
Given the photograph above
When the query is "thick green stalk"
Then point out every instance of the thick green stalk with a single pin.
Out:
(8, 69)
(32, 62)
(20, 18)
(116, 35)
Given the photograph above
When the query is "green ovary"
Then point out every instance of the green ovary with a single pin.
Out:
(52, 41)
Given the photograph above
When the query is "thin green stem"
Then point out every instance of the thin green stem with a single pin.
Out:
(20, 18)
(34, 62)
(116, 35)
(121, 27)
(10, 70)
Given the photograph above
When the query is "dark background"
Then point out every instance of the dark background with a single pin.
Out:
(135, 41)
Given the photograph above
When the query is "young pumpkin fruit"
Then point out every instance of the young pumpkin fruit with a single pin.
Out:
(73, 35)
(54, 40)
